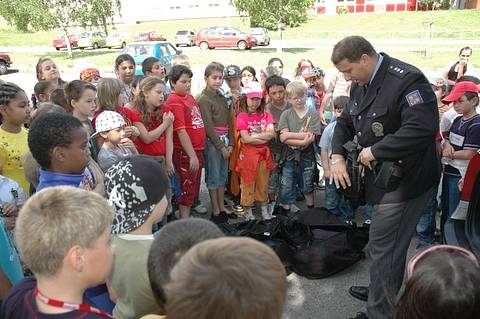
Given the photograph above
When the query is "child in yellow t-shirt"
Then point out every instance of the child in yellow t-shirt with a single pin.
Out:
(14, 111)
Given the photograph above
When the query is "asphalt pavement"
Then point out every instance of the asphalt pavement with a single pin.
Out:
(326, 298)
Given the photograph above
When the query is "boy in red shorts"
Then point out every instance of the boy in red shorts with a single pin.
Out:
(188, 137)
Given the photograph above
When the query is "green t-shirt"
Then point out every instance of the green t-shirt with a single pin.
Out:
(129, 277)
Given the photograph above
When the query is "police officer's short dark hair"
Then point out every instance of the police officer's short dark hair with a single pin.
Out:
(352, 48)
(274, 80)
(177, 71)
(48, 131)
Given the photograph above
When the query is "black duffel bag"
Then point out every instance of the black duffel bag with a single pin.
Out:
(333, 247)
(268, 232)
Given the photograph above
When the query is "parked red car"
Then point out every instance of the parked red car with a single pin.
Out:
(149, 36)
(60, 43)
(225, 37)
(5, 63)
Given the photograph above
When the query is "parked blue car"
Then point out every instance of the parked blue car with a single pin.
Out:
(163, 50)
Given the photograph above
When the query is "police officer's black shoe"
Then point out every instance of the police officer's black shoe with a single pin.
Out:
(360, 315)
(359, 292)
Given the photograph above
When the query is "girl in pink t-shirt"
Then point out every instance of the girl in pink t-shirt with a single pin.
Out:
(255, 161)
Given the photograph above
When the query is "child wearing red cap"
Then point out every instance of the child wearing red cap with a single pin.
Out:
(461, 143)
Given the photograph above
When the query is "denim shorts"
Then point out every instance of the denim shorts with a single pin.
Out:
(216, 167)
(293, 174)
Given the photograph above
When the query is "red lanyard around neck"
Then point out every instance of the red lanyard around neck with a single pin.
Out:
(72, 306)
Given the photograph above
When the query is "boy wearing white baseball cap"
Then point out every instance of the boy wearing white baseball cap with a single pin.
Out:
(110, 126)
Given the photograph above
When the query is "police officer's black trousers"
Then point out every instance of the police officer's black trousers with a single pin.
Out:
(391, 231)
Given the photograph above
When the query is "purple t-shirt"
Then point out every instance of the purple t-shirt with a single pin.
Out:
(20, 304)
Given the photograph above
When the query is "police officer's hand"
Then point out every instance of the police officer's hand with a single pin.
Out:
(366, 157)
(338, 172)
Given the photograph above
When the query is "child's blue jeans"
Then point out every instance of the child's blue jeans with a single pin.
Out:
(336, 203)
(296, 173)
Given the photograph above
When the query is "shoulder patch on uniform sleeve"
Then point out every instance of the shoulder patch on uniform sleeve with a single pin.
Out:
(398, 71)
(414, 98)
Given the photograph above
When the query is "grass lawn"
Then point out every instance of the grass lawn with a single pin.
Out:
(373, 26)
(378, 25)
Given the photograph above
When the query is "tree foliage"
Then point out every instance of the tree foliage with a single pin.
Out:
(268, 13)
(35, 15)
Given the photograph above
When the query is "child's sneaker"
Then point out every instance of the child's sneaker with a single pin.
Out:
(271, 207)
(248, 215)
(200, 209)
(266, 215)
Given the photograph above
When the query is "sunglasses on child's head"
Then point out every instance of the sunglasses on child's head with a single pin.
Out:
(440, 248)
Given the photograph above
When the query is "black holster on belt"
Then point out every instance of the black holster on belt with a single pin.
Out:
(356, 192)
(387, 175)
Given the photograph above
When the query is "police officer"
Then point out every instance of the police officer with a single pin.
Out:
(393, 114)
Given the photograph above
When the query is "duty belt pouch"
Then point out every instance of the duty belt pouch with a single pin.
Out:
(356, 192)
(387, 175)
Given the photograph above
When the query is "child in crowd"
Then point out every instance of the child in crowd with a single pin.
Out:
(233, 89)
(153, 123)
(125, 71)
(12, 197)
(63, 236)
(443, 282)
(152, 66)
(216, 116)
(110, 126)
(450, 114)
(302, 64)
(248, 74)
(81, 97)
(460, 144)
(30, 165)
(188, 137)
(59, 143)
(136, 187)
(169, 245)
(335, 202)
(110, 97)
(42, 91)
(255, 162)
(298, 128)
(90, 75)
(275, 87)
(135, 89)
(14, 112)
(58, 97)
(181, 59)
(47, 70)
(210, 281)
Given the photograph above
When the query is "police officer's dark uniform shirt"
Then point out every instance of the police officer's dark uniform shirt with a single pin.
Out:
(398, 117)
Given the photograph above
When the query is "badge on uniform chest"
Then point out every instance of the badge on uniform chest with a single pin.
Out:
(377, 129)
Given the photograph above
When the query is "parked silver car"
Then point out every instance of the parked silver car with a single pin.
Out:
(185, 37)
(261, 35)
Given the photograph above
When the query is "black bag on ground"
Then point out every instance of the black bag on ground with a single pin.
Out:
(268, 233)
(333, 247)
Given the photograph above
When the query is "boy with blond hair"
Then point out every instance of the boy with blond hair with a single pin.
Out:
(298, 126)
(63, 236)
(210, 281)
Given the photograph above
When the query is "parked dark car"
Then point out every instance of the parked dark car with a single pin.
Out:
(5, 63)
(224, 37)
(162, 50)
(60, 43)
(463, 228)
(149, 36)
